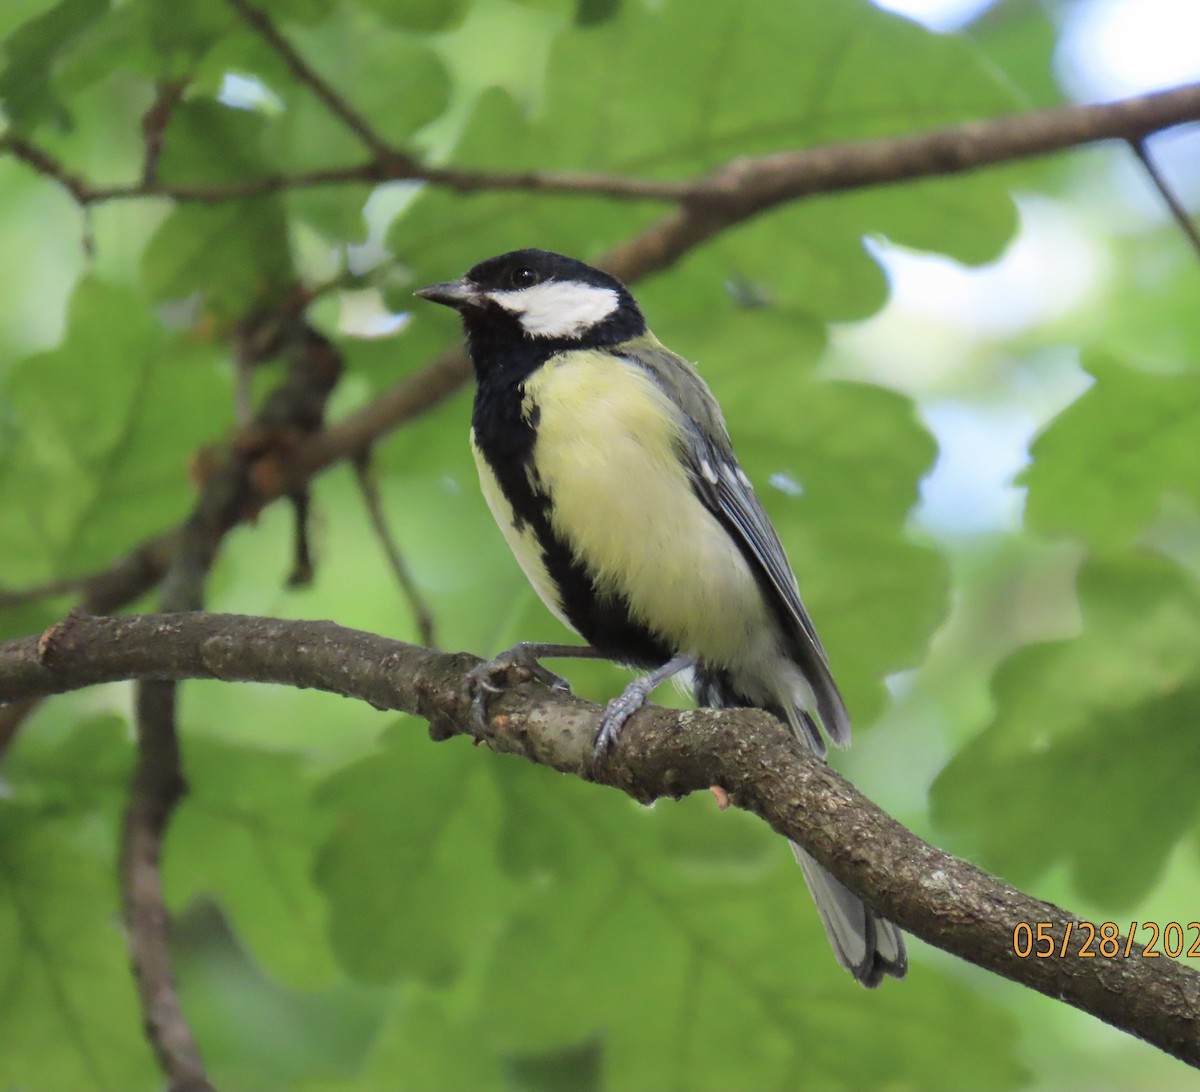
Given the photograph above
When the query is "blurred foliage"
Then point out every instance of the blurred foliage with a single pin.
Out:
(359, 909)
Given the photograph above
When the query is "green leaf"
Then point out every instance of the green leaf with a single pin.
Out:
(735, 89)
(68, 1014)
(255, 1032)
(1020, 40)
(236, 254)
(246, 835)
(1104, 466)
(409, 871)
(732, 968)
(85, 772)
(27, 86)
(1149, 316)
(151, 40)
(422, 16)
(426, 1044)
(105, 425)
(1092, 741)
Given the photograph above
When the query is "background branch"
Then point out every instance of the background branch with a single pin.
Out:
(294, 408)
(337, 105)
(945, 901)
(368, 487)
(1180, 215)
(742, 186)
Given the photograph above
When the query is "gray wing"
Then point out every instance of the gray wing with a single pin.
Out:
(723, 487)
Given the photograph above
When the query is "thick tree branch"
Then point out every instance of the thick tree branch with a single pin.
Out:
(945, 901)
(750, 183)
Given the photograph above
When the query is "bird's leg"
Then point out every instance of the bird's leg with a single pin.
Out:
(633, 697)
(524, 656)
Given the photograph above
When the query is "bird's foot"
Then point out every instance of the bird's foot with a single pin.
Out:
(632, 698)
(618, 711)
(519, 662)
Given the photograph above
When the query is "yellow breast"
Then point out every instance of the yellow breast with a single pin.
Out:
(606, 453)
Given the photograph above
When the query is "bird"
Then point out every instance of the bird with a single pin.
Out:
(606, 462)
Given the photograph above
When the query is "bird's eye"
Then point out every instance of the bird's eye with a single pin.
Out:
(523, 277)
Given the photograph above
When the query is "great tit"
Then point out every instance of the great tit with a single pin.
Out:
(606, 462)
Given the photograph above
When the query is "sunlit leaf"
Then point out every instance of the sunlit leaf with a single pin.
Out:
(105, 425)
(1103, 467)
(1091, 741)
(68, 1015)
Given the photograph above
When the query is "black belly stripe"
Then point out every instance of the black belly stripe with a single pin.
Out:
(605, 621)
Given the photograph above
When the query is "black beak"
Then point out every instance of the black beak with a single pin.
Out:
(456, 294)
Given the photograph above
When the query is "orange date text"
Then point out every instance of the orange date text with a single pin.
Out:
(1085, 940)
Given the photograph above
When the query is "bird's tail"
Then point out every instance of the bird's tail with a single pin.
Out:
(868, 946)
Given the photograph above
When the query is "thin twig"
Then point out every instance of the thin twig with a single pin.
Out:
(369, 489)
(111, 588)
(157, 788)
(262, 23)
(44, 163)
(154, 126)
(1186, 224)
(52, 588)
(761, 181)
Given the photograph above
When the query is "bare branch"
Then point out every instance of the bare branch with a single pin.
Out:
(945, 901)
(49, 590)
(261, 22)
(158, 786)
(751, 183)
(154, 126)
(1186, 224)
(45, 164)
(373, 502)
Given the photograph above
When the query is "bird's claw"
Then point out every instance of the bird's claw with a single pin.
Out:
(617, 712)
(518, 660)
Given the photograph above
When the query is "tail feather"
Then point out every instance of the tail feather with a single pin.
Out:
(868, 946)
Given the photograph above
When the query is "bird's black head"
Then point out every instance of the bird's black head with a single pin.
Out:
(539, 302)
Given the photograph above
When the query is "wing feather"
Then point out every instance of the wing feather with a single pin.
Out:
(724, 489)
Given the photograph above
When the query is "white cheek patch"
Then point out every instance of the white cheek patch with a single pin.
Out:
(558, 308)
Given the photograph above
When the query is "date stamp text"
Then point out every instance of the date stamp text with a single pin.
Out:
(1085, 940)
